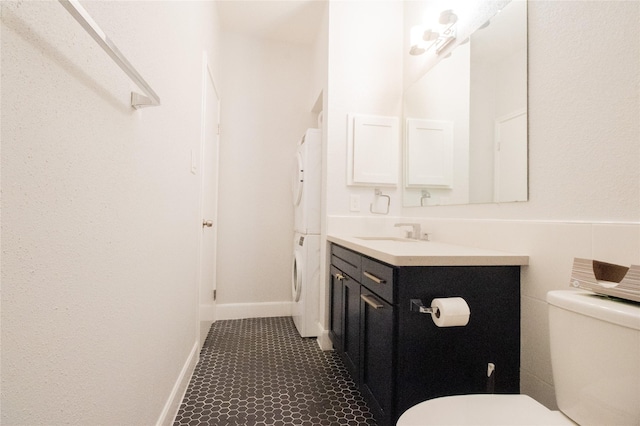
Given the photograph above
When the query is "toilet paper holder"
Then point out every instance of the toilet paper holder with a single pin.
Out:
(417, 306)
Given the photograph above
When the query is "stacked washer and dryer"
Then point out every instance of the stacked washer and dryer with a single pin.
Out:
(305, 279)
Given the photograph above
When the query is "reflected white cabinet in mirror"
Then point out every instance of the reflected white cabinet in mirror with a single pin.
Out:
(430, 143)
(479, 89)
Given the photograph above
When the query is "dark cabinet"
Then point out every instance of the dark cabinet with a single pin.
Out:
(352, 326)
(399, 357)
(336, 330)
(434, 361)
(362, 325)
(377, 338)
(345, 307)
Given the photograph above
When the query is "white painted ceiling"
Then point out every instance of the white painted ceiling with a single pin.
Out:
(295, 21)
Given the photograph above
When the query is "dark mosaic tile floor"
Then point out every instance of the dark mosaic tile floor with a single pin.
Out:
(261, 372)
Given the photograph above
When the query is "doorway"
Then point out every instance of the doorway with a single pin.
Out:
(209, 197)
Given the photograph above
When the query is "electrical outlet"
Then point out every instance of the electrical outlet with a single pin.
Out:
(354, 203)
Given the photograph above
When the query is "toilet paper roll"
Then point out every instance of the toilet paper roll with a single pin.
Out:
(450, 312)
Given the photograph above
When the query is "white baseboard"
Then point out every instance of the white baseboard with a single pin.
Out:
(230, 311)
(323, 340)
(179, 388)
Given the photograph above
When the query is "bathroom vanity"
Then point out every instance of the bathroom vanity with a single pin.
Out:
(397, 355)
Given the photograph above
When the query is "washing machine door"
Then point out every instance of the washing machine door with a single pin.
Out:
(296, 275)
(298, 180)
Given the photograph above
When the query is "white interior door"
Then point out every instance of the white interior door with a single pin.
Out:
(511, 158)
(209, 173)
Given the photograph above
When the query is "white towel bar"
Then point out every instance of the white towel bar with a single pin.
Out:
(150, 98)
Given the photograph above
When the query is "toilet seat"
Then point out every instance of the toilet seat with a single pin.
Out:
(479, 410)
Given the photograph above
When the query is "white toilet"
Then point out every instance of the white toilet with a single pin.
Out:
(595, 354)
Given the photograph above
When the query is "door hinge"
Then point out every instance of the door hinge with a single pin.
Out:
(214, 295)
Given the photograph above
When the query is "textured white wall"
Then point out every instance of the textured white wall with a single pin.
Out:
(99, 210)
(268, 86)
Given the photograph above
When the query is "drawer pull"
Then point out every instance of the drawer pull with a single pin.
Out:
(339, 277)
(374, 278)
(371, 301)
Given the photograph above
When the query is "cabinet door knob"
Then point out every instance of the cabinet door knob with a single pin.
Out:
(339, 277)
(207, 223)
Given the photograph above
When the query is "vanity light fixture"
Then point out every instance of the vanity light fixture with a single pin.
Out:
(424, 39)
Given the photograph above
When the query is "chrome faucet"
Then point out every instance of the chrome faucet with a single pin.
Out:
(415, 233)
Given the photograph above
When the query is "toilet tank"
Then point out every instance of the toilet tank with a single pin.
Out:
(595, 355)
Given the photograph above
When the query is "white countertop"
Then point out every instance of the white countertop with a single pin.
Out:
(405, 252)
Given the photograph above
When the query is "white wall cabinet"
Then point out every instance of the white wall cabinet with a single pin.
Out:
(373, 150)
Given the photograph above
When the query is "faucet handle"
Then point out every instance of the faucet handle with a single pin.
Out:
(414, 233)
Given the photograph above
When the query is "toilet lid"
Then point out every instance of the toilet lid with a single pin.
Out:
(479, 410)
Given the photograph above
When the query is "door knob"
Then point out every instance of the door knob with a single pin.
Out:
(207, 223)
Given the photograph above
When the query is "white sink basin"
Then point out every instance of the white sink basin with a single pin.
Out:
(401, 240)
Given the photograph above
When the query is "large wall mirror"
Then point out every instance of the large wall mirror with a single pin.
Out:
(465, 119)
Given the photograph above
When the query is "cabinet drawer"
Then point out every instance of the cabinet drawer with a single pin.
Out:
(347, 261)
(378, 278)
(346, 254)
